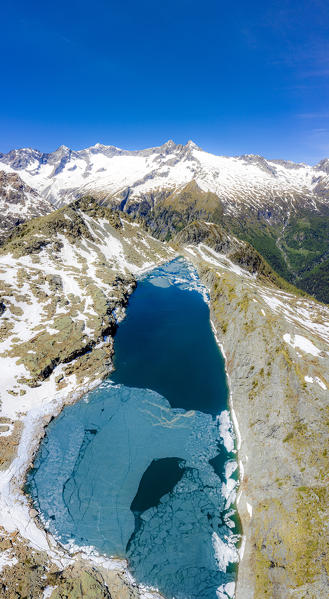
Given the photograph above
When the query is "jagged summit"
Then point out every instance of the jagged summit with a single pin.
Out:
(191, 144)
(323, 165)
(247, 182)
(169, 144)
(172, 145)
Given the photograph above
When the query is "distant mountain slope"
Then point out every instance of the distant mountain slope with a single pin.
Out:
(239, 182)
(18, 202)
(236, 252)
(280, 207)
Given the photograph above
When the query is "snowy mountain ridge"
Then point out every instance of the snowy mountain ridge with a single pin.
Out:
(241, 182)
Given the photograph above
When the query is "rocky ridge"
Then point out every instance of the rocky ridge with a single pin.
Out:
(276, 346)
(240, 182)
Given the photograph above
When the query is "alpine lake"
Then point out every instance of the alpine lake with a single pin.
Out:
(144, 466)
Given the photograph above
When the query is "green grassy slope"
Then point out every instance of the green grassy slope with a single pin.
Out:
(297, 250)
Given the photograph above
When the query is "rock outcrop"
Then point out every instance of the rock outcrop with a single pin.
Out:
(18, 203)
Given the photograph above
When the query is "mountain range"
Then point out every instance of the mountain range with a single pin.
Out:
(280, 207)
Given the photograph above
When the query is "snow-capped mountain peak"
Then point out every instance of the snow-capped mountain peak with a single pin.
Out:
(241, 182)
(192, 145)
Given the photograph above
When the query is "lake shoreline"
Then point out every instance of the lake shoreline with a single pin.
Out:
(169, 293)
(18, 518)
(272, 392)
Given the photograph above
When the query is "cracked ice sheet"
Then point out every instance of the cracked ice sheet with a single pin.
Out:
(40, 402)
(191, 435)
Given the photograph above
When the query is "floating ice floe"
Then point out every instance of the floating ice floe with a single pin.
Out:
(226, 430)
(225, 553)
(226, 590)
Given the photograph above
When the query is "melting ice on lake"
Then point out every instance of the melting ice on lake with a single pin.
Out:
(136, 476)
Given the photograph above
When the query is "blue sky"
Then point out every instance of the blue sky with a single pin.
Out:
(239, 77)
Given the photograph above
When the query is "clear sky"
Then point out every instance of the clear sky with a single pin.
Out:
(247, 76)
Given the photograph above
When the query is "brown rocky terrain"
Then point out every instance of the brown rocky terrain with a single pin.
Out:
(18, 203)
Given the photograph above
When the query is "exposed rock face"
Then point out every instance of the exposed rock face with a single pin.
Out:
(166, 211)
(32, 574)
(276, 348)
(18, 202)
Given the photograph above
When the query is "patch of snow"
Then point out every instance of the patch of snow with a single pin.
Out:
(321, 383)
(219, 259)
(241, 470)
(47, 592)
(236, 427)
(242, 547)
(7, 560)
(8, 432)
(225, 591)
(302, 343)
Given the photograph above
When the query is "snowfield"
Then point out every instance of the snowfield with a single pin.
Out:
(242, 181)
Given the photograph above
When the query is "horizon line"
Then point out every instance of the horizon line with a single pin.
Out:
(190, 143)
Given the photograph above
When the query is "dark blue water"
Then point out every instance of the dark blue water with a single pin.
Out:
(166, 344)
(137, 469)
